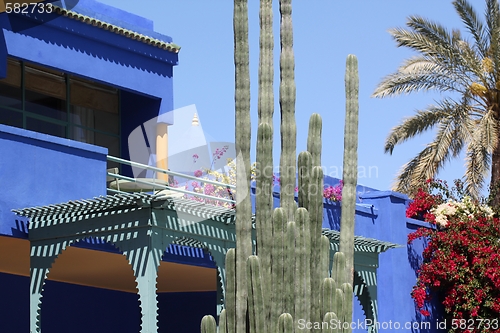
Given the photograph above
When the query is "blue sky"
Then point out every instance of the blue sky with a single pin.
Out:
(325, 32)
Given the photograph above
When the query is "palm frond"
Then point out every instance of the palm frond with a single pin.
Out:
(440, 50)
(446, 62)
(473, 69)
(410, 176)
(478, 164)
(493, 31)
(448, 143)
(492, 18)
(406, 81)
(479, 152)
(435, 44)
(410, 127)
(433, 41)
(486, 134)
(473, 24)
(407, 179)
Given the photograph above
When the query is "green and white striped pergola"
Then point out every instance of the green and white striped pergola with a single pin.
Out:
(142, 226)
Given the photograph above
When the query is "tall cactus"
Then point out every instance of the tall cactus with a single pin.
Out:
(242, 128)
(264, 164)
(350, 168)
(288, 278)
(287, 106)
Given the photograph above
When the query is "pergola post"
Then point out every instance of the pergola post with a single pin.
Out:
(42, 256)
(145, 276)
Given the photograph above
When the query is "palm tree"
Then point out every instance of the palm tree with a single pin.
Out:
(468, 72)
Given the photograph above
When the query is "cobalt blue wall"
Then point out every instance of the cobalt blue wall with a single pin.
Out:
(396, 274)
(38, 169)
(182, 312)
(143, 72)
(14, 303)
(79, 309)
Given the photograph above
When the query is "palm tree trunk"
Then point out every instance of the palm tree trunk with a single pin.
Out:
(494, 197)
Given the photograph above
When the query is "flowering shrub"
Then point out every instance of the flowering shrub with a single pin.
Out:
(198, 186)
(216, 190)
(461, 260)
(421, 205)
(333, 193)
(216, 155)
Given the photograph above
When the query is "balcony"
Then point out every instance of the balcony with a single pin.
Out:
(165, 183)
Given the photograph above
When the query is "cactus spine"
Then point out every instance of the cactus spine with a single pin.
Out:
(288, 279)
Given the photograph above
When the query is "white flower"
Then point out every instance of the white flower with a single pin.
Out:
(442, 220)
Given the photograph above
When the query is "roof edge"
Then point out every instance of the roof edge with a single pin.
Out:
(168, 46)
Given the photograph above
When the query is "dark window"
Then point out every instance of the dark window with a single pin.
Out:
(11, 117)
(46, 127)
(11, 94)
(38, 99)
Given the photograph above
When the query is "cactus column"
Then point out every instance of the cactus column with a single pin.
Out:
(350, 169)
(350, 173)
(242, 128)
(264, 164)
(288, 279)
(287, 106)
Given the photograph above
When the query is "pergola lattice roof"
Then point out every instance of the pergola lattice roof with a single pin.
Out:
(188, 206)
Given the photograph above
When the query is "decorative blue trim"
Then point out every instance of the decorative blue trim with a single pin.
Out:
(383, 194)
(419, 223)
(14, 131)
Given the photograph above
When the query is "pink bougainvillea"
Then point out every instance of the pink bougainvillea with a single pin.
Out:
(333, 193)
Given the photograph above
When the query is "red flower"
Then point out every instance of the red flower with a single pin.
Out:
(462, 261)
(425, 313)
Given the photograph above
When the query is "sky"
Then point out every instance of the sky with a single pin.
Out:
(325, 32)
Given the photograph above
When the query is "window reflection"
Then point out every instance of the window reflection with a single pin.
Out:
(11, 117)
(61, 105)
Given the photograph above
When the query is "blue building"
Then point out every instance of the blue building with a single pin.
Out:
(75, 83)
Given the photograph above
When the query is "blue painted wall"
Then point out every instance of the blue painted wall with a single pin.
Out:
(14, 303)
(182, 312)
(38, 169)
(180, 254)
(143, 72)
(80, 309)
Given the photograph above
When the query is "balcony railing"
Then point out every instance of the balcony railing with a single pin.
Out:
(118, 183)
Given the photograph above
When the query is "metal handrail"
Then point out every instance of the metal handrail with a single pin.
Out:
(168, 172)
(156, 186)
